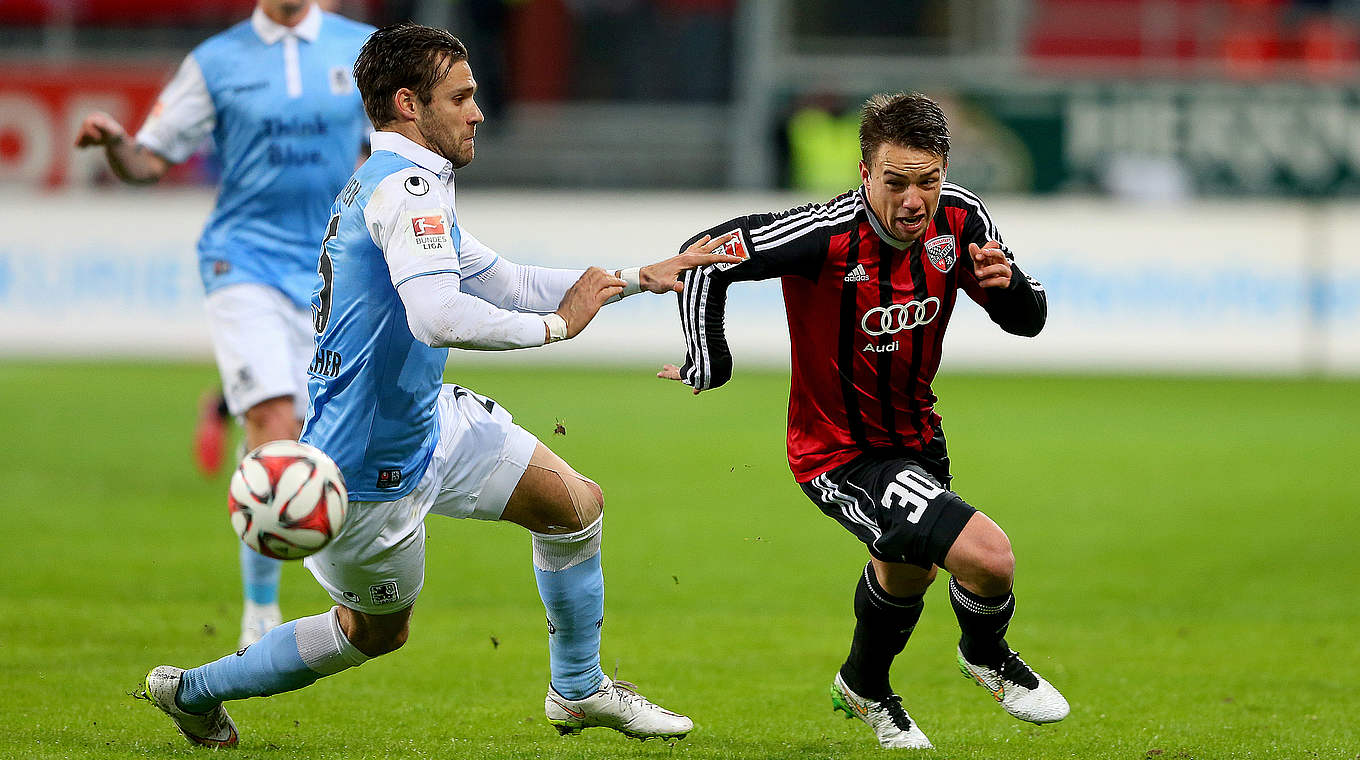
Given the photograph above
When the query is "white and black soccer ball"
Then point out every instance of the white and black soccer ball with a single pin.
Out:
(287, 500)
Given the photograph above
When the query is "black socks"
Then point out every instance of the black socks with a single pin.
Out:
(983, 621)
(883, 623)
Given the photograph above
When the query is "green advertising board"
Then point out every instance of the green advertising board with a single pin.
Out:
(1214, 138)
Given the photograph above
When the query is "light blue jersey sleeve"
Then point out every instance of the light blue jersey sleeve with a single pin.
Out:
(412, 222)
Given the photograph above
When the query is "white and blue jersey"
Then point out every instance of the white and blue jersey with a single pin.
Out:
(395, 259)
(288, 124)
(372, 385)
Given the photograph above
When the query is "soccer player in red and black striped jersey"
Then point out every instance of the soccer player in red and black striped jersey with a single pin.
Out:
(870, 279)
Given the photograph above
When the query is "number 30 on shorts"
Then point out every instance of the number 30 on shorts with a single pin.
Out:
(910, 489)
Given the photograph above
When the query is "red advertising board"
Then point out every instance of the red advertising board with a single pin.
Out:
(41, 108)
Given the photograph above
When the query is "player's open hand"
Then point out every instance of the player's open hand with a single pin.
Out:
(990, 264)
(664, 276)
(584, 299)
(672, 372)
(99, 129)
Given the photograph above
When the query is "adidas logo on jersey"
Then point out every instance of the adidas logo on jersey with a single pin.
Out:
(857, 274)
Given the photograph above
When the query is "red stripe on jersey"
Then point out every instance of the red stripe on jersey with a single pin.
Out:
(818, 430)
(876, 341)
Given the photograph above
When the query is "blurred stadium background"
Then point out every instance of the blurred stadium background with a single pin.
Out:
(1181, 175)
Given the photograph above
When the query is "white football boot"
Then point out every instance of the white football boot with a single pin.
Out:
(211, 729)
(890, 722)
(1022, 692)
(616, 705)
(256, 621)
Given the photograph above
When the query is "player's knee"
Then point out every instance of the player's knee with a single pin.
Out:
(396, 640)
(594, 502)
(376, 635)
(271, 420)
(904, 580)
(995, 569)
(376, 643)
(587, 501)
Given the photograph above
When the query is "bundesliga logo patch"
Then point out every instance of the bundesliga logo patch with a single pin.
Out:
(734, 247)
(941, 252)
(429, 225)
(430, 231)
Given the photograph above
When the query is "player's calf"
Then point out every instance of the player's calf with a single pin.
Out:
(883, 624)
(289, 657)
(571, 585)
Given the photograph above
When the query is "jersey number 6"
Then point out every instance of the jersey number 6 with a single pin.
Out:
(322, 314)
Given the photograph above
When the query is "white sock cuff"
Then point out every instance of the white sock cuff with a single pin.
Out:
(323, 645)
(555, 552)
(977, 604)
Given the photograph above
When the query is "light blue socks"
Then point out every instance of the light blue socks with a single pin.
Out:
(260, 576)
(571, 584)
(289, 657)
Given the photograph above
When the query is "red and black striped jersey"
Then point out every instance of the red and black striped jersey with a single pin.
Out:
(867, 316)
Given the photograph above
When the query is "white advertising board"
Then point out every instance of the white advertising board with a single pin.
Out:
(1206, 287)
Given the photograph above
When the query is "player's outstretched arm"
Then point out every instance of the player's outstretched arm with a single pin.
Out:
(583, 300)
(131, 162)
(664, 276)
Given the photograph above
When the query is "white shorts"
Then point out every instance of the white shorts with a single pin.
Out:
(377, 563)
(263, 344)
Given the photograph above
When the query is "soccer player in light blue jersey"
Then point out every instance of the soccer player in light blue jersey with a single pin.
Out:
(401, 280)
(277, 96)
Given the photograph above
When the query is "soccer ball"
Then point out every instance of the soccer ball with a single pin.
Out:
(287, 500)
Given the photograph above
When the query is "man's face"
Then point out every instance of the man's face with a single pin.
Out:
(284, 10)
(450, 121)
(903, 187)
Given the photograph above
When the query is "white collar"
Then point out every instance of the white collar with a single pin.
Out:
(403, 146)
(271, 31)
(878, 226)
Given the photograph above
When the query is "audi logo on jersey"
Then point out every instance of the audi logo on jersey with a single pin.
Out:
(894, 318)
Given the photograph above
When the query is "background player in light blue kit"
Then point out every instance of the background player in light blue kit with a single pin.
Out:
(400, 282)
(277, 96)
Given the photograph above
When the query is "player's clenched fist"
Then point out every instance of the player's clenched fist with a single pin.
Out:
(990, 264)
(585, 298)
(100, 129)
(663, 276)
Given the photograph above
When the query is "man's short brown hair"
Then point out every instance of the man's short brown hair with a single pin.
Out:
(403, 55)
(908, 119)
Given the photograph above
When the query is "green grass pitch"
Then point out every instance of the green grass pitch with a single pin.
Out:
(1187, 575)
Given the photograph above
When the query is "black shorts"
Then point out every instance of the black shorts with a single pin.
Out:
(898, 503)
